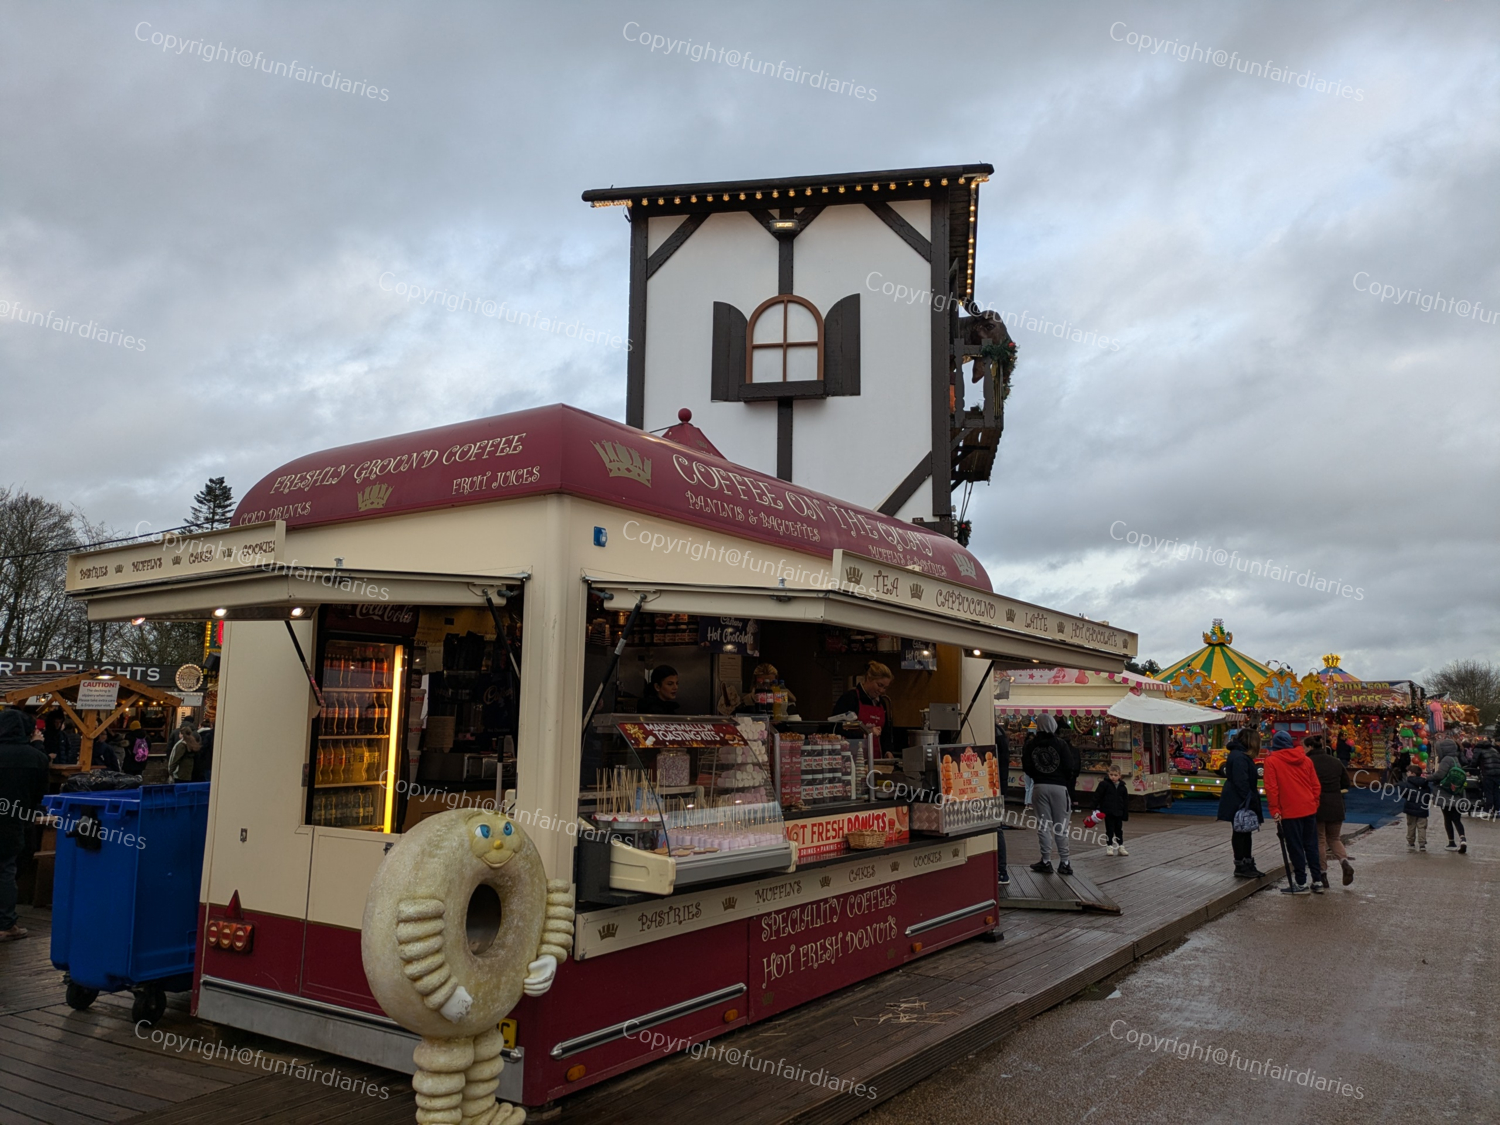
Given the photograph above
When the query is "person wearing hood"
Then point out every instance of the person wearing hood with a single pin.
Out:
(1241, 791)
(1052, 766)
(1293, 793)
(1334, 780)
(1450, 783)
(23, 781)
(184, 753)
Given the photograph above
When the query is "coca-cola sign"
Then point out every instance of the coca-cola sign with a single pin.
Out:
(373, 617)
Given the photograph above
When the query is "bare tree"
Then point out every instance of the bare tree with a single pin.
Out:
(35, 536)
(164, 642)
(1475, 682)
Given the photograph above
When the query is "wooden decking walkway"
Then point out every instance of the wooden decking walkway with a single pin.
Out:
(73, 1068)
(1031, 891)
(61, 1067)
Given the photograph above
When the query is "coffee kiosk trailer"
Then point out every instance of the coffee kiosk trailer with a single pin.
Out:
(478, 578)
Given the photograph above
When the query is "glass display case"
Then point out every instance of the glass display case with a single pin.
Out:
(699, 789)
(817, 765)
(356, 740)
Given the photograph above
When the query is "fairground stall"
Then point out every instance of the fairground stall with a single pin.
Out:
(1113, 719)
(481, 601)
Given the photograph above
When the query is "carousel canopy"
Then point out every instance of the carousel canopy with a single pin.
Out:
(1218, 661)
(1331, 673)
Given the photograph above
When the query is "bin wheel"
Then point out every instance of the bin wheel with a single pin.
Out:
(150, 1003)
(79, 997)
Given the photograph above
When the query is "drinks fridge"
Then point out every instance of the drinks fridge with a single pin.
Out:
(356, 751)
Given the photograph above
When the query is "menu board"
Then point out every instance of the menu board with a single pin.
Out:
(668, 734)
(969, 773)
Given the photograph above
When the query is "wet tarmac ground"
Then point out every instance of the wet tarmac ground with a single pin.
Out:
(1371, 1003)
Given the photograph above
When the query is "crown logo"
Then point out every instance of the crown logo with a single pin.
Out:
(176, 560)
(374, 497)
(853, 575)
(622, 461)
(955, 853)
(1010, 615)
(965, 566)
(608, 931)
(826, 881)
(729, 902)
(916, 592)
(1059, 626)
(896, 865)
(119, 568)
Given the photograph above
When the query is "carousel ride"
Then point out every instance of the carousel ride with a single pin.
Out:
(1378, 720)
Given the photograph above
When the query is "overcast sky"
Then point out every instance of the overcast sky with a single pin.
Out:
(1223, 227)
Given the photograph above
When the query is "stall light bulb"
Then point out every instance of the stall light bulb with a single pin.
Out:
(137, 620)
(297, 611)
(220, 612)
(976, 652)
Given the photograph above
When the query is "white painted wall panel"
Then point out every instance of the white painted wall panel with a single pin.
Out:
(860, 447)
(729, 258)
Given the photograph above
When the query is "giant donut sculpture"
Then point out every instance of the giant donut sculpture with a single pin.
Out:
(460, 921)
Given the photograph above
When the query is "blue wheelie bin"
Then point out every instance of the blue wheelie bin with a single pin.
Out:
(125, 891)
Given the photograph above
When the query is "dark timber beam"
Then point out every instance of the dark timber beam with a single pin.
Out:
(907, 488)
(674, 240)
(635, 363)
(907, 233)
(942, 343)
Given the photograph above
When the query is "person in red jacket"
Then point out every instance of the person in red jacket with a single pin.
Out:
(1293, 792)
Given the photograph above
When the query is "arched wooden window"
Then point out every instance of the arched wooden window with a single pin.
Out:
(786, 342)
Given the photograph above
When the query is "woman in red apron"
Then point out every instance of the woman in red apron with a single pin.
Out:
(868, 700)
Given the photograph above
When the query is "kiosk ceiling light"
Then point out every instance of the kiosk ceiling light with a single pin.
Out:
(297, 611)
(976, 652)
(220, 612)
(137, 620)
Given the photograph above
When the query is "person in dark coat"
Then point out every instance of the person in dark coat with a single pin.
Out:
(203, 765)
(1449, 790)
(1113, 800)
(134, 742)
(1241, 791)
(1487, 758)
(660, 696)
(23, 781)
(1399, 766)
(1344, 749)
(106, 754)
(1334, 780)
(1053, 768)
(1416, 798)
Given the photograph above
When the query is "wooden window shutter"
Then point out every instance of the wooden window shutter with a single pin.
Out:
(841, 347)
(729, 352)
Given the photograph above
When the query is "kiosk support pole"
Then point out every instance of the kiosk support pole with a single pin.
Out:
(614, 661)
(984, 679)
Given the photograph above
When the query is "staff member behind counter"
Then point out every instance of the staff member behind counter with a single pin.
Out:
(660, 696)
(869, 702)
